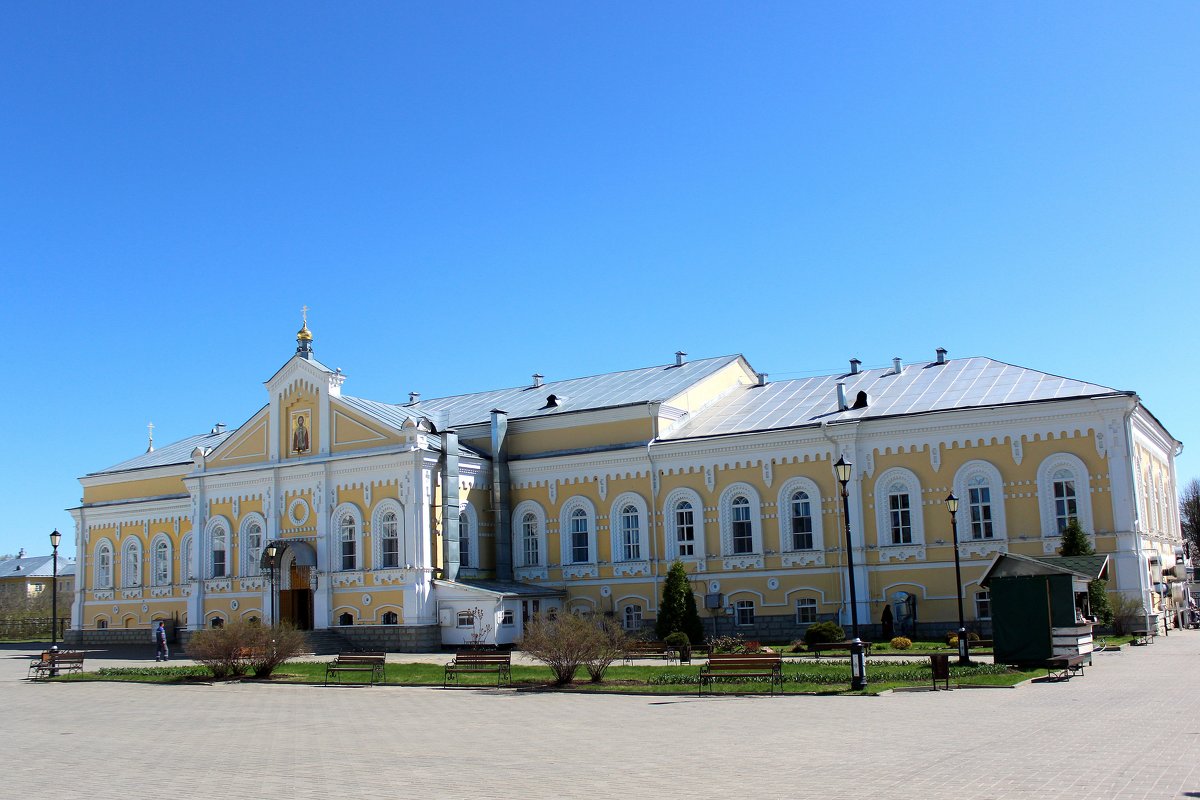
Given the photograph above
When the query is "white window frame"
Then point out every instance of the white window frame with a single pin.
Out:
(156, 577)
(899, 480)
(967, 478)
(518, 534)
(671, 524)
(468, 616)
(131, 553)
(342, 513)
(784, 508)
(617, 528)
(252, 556)
(985, 599)
(807, 604)
(104, 566)
(725, 507)
(566, 535)
(1046, 476)
(508, 618)
(217, 531)
(384, 507)
(739, 617)
(631, 616)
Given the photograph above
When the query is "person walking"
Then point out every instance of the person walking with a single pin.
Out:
(160, 641)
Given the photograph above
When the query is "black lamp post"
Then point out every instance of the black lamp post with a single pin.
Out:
(272, 551)
(964, 653)
(858, 660)
(55, 538)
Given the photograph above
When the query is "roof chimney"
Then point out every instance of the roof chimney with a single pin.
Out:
(841, 387)
(537, 379)
(414, 398)
(679, 356)
(219, 427)
(941, 355)
(896, 365)
(855, 366)
(762, 378)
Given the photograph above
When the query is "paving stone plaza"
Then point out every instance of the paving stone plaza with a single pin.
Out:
(1129, 728)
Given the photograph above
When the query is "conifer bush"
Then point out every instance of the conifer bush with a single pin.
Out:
(821, 632)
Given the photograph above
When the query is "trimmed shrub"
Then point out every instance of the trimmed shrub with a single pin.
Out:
(821, 632)
(677, 611)
(901, 643)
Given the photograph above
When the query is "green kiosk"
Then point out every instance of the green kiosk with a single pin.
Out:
(1040, 607)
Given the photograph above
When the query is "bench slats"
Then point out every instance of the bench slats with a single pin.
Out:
(372, 663)
(475, 661)
(742, 665)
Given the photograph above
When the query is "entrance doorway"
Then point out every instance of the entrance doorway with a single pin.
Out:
(290, 564)
(296, 605)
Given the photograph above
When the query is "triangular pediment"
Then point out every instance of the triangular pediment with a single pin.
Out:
(248, 445)
(354, 431)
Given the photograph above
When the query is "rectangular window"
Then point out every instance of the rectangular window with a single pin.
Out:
(743, 612)
(466, 619)
(631, 544)
(579, 539)
(507, 617)
(348, 561)
(1065, 504)
(391, 551)
(218, 564)
(464, 542)
(980, 501)
(685, 529)
(633, 617)
(901, 517)
(983, 605)
(802, 538)
(806, 611)
(743, 530)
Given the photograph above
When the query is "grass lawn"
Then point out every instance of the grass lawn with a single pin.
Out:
(816, 676)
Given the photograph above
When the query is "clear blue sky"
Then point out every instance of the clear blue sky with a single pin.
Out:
(467, 193)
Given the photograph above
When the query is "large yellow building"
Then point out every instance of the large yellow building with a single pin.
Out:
(413, 525)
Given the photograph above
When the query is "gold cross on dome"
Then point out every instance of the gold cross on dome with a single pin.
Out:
(304, 314)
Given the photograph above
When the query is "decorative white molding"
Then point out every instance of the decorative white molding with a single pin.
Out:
(899, 480)
(341, 579)
(1018, 452)
(298, 511)
(218, 585)
(982, 548)
(531, 573)
(569, 507)
(161, 591)
(975, 474)
(803, 558)
(816, 515)
(387, 577)
(901, 552)
(710, 478)
(725, 515)
(935, 458)
(553, 491)
(748, 561)
(518, 545)
(106, 594)
(768, 472)
(580, 571)
(631, 568)
(131, 594)
(252, 584)
(604, 487)
(1051, 466)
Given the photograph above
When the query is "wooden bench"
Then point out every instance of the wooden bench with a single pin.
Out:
(482, 661)
(1143, 636)
(742, 665)
(816, 648)
(651, 649)
(51, 664)
(1062, 668)
(370, 663)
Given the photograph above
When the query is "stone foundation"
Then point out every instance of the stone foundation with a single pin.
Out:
(392, 638)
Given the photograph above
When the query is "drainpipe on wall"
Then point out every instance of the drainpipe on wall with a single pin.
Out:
(653, 408)
(500, 495)
(450, 505)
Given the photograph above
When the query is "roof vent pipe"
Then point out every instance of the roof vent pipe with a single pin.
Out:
(537, 379)
(896, 365)
(762, 378)
(414, 398)
(855, 366)
(679, 356)
(941, 355)
(841, 387)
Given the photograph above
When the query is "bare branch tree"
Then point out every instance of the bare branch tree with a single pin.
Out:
(1189, 515)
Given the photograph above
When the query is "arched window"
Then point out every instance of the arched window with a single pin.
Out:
(347, 527)
(252, 544)
(1064, 493)
(580, 552)
(800, 509)
(131, 565)
(741, 532)
(161, 562)
(104, 566)
(389, 543)
(464, 541)
(219, 539)
(628, 515)
(529, 540)
(980, 491)
(186, 566)
(899, 514)
(800, 525)
(468, 537)
(683, 514)
(389, 618)
(346, 618)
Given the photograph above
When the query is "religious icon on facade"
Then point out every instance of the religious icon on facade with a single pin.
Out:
(300, 438)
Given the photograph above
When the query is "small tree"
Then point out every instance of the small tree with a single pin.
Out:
(1189, 515)
(563, 643)
(677, 611)
(609, 644)
(1075, 543)
(223, 650)
(266, 648)
(1127, 613)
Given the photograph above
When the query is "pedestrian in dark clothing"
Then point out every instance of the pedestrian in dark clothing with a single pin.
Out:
(160, 641)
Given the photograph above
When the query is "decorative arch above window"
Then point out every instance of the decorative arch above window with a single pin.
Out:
(251, 540)
(131, 564)
(529, 540)
(740, 513)
(160, 561)
(387, 535)
(577, 537)
(801, 534)
(683, 514)
(982, 526)
(346, 531)
(628, 524)
(104, 565)
(1063, 492)
(899, 514)
(187, 562)
(468, 537)
(216, 535)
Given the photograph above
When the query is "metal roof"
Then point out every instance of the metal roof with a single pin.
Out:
(918, 388)
(174, 453)
(609, 390)
(35, 567)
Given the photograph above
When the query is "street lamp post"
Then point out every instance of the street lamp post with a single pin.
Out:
(858, 660)
(55, 537)
(272, 551)
(964, 653)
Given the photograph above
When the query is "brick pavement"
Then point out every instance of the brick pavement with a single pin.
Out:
(1129, 728)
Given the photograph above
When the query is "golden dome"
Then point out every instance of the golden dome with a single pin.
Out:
(304, 334)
